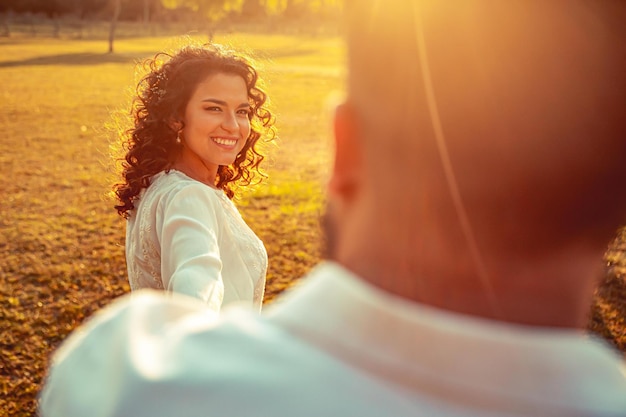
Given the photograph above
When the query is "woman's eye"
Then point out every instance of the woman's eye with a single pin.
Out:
(213, 108)
(244, 112)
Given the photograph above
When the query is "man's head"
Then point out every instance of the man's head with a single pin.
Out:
(479, 134)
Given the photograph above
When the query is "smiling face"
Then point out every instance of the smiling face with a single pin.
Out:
(216, 126)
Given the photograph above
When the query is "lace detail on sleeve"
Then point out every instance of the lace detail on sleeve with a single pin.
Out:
(142, 255)
(149, 252)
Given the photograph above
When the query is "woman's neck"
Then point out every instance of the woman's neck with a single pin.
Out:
(195, 168)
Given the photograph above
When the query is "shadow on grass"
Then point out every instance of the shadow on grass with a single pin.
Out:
(89, 58)
(82, 58)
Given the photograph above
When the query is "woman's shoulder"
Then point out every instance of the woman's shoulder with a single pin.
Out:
(173, 182)
(175, 187)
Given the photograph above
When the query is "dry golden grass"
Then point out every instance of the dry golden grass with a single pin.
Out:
(61, 241)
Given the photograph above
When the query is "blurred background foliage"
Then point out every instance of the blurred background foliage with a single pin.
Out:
(166, 11)
(79, 18)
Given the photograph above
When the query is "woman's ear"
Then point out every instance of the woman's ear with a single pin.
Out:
(347, 172)
(175, 124)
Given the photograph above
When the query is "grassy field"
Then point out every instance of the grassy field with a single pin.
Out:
(61, 241)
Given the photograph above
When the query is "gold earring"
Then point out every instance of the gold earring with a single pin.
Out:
(179, 140)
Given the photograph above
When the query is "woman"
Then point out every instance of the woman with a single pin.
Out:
(198, 116)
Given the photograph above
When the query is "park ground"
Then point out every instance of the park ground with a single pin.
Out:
(61, 242)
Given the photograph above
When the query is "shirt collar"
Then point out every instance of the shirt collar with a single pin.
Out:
(348, 316)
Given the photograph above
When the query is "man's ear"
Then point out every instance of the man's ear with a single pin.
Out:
(347, 171)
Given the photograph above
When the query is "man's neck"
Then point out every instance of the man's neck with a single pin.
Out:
(553, 293)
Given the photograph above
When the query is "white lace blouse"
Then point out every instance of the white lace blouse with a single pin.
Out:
(187, 237)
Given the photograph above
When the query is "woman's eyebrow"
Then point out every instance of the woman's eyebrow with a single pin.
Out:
(214, 100)
(223, 103)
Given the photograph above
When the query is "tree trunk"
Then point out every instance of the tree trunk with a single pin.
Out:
(56, 21)
(5, 24)
(33, 28)
(146, 13)
(203, 21)
(146, 16)
(81, 27)
(117, 5)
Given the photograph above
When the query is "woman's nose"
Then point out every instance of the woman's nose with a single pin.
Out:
(229, 123)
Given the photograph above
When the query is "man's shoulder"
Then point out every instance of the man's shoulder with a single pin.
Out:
(237, 364)
(165, 324)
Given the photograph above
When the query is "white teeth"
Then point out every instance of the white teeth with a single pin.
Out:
(226, 142)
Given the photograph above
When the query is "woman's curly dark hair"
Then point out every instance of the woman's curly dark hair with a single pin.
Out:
(162, 96)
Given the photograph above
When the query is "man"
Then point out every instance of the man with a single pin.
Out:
(477, 181)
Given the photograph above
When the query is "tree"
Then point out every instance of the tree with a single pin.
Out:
(6, 11)
(117, 7)
(303, 8)
(83, 8)
(251, 9)
(206, 11)
(295, 8)
(146, 12)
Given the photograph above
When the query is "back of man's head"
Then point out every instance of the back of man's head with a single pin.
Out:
(530, 96)
(499, 121)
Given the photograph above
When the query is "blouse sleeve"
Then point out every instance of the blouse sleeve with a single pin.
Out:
(190, 255)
